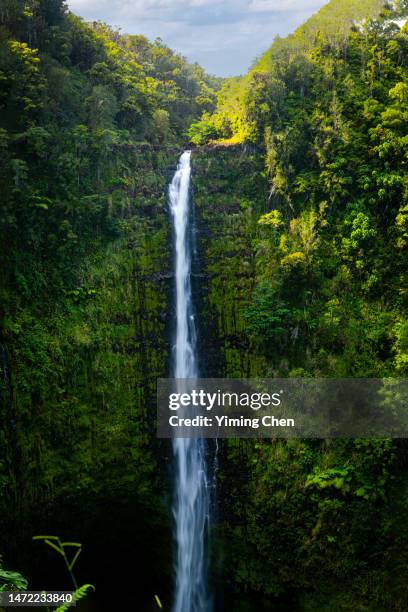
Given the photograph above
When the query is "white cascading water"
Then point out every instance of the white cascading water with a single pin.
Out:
(191, 500)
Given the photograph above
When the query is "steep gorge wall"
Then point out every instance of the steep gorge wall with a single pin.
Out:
(229, 188)
(79, 453)
(302, 524)
(82, 459)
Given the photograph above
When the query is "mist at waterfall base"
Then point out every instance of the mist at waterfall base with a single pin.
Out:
(191, 490)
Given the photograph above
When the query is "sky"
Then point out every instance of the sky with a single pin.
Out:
(224, 36)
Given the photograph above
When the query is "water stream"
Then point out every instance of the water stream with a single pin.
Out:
(191, 495)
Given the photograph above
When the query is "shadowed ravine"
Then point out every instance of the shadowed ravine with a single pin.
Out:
(191, 498)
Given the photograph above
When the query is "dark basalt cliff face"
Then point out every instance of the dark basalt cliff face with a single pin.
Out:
(81, 456)
(229, 192)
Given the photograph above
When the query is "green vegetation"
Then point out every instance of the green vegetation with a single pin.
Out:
(302, 218)
(90, 123)
(82, 192)
(10, 581)
(307, 269)
(281, 80)
(330, 255)
(62, 549)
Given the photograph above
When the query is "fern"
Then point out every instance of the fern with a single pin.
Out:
(79, 594)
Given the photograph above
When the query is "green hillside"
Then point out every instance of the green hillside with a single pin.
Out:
(332, 22)
(330, 26)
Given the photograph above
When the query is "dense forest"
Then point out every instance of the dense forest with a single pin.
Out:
(300, 194)
(91, 123)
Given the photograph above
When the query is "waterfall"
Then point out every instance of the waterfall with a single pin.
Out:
(191, 496)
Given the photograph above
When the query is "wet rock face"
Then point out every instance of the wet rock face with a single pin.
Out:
(85, 420)
(94, 365)
(229, 196)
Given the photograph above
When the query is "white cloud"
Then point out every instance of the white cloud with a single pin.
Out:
(281, 6)
(140, 7)
(204, 2)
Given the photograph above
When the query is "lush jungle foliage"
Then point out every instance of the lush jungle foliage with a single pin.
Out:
(330, 250)
(314, 236)
(245, 105)
(73, 99)
(302, 229)
(91, 123)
